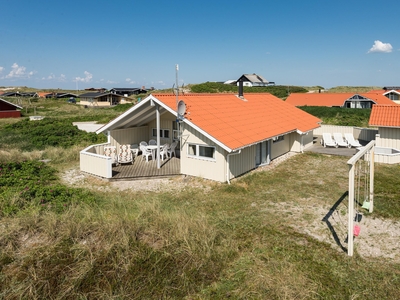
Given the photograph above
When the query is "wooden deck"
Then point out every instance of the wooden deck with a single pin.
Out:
(141, 169)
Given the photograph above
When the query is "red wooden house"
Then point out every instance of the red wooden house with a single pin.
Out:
(9, 110)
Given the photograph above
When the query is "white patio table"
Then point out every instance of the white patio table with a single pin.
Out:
(153, 149)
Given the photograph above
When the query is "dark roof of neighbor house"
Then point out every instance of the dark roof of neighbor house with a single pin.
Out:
(10, 104)
(391, 88)
(60, 95)
(332, 99)
(385, 116)
(97, 95)
(124, 89)
(96, 89)
(231, 122)
(11, 94)
(254, 78)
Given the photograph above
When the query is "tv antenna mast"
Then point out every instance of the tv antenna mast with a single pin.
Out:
(176, 84)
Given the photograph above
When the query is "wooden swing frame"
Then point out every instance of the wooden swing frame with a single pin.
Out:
(369, 151)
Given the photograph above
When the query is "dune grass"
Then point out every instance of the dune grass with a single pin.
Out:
(235, 241)
(230, 242)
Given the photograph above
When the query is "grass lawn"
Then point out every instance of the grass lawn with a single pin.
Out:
(253, 239)
(262, 237)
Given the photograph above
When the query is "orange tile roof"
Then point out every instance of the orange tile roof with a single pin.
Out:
(332, 99)
(385, 116)
(237, 123)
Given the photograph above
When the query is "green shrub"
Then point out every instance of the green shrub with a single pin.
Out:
(339, 116)
(33, 184)
(37, 135)
(279, 91)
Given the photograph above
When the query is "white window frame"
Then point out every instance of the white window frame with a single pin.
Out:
(278, 139)
(162, 133)
(197, 155)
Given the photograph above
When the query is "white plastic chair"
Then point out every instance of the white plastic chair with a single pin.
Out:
(328, 141)
(146, 152)
(352, 142)
(164, 151)
(152, 142)
(172, 149)
(337, 136)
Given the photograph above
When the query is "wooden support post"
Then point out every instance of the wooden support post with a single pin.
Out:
(371, 180)
(351, 212)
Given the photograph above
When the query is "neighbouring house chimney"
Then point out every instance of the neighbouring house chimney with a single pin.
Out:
(240, 89)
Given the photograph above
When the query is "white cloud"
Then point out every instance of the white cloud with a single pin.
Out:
(53, 77)
(130, 81)
(381, 47)
(18, 72)
(88, 77)
(1, 69)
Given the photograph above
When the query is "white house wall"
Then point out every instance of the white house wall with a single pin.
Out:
(166, 121)
(243, 162)
(133, 135)
(214, 170)
(389, 138)
(281, 147)
(308, 140)
(301, 141)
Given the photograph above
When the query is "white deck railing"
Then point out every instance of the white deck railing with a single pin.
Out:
(92, 162)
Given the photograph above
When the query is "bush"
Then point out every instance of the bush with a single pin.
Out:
(37, 135)
(279, 91)
(340, 116)
(33, 184)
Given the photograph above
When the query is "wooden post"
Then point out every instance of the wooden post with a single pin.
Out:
(351, 212)
(371, 179)
(352, 163)
(158, 136)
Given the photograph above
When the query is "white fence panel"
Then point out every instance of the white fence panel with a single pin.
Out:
(96, 164)
(365, 134)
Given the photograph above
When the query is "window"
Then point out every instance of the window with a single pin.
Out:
(175, 131)
(278, 138)
(164, 133)
(201, 151)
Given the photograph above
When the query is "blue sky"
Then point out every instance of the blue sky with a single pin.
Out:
(127, 43)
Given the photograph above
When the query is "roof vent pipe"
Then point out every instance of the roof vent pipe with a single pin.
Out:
(241, 89)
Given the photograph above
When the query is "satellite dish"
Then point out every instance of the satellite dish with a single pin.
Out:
(181, 109)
